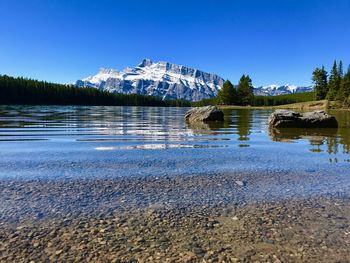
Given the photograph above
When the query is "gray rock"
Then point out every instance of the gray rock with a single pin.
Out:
(207, 113)
(292, 119)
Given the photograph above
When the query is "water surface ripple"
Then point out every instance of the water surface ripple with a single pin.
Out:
(56, 141)
(47, 150)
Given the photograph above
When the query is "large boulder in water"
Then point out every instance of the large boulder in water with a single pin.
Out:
(207, 113)
(292, 119)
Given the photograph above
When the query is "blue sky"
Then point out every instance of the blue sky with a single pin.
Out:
(273, 41)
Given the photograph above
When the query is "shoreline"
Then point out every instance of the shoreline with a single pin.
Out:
(308, 105)
(211, 218)
(303, 106)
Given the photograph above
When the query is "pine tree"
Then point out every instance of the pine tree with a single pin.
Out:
(339, 94)
(340, 70)
(245, 90)
(227, 95)
(319, 77)
(344, 92)
(334, 82)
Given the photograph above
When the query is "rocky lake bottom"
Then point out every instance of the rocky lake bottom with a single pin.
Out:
(217, 218)
(126, 184)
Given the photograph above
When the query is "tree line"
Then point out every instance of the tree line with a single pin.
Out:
(243, 95)
(33, 92)
(283, 99)
(332, 86)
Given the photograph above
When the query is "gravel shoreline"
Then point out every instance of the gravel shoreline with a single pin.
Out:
(272, 217)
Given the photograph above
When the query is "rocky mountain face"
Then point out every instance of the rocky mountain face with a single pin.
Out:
(163, 79)
(170, 81)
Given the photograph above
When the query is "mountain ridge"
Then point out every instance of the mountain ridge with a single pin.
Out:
(276, 89)
(163, 79)
(170, 81)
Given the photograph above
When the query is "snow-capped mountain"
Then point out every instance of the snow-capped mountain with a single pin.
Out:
(163, 79)
(273, 90)
(171, 81)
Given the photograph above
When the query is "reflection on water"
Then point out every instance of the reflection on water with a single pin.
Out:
(320, 140)
(244, 120)
(331, 141)
(65, 139)
(235, 122)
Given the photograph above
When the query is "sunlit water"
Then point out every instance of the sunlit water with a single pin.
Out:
(69, 142)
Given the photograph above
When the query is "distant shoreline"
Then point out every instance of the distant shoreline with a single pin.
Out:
(310, 105)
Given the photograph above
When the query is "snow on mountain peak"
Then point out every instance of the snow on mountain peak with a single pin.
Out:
(171, 81)
(107, 71)
(164, 79)
(275, 89)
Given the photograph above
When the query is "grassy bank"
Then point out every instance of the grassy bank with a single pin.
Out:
(302, 106)
(284, 99)
(310, 105)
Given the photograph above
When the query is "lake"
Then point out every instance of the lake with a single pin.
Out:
(138, 184)
(56, 142)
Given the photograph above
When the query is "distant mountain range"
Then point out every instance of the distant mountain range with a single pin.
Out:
(273, 90)
(169, 81)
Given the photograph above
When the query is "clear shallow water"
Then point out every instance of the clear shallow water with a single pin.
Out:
(70, 142)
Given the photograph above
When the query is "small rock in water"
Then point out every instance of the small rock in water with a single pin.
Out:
(292, 119)
(207, 113)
